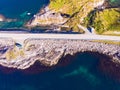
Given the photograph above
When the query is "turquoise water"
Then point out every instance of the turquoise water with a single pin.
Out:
(16, 10)
(83, 73)
(115, 2)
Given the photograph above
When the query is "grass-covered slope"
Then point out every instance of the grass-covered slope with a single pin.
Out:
(77, 9)
(70, 6)
(107, 20)
(83, 12)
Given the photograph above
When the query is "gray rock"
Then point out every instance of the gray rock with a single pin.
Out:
(49, 51)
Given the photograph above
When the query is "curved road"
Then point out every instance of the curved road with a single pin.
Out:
(21, 37)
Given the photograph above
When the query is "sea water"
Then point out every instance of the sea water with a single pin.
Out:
(18, 12)
(82, 73)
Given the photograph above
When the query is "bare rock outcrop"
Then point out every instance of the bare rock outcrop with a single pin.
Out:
(49, 51)
(68, 14)
(47, 17)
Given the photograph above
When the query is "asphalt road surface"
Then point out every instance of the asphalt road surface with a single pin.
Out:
(21, 37)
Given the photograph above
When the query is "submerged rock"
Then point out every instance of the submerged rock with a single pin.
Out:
(2, 18)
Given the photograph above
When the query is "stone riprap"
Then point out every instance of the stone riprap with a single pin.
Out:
(49, 51)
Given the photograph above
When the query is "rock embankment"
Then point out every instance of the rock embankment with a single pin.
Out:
(49, 51)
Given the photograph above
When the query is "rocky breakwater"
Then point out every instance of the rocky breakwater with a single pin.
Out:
(49, 51)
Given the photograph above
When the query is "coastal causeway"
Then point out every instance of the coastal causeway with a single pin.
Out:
(49, 51)
(59, 44)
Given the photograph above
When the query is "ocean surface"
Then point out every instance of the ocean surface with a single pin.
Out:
(79, 72)
(18, 12)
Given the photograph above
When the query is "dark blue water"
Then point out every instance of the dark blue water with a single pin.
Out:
(83, 73)
(16, 10)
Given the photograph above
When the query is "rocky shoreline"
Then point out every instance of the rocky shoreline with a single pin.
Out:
(49, 51)
(49, 16)
(68, 15)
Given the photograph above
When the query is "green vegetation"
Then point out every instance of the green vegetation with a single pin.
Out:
(107, 42)
(68, 6)
(14, 53)
(77, 9)
(107, 20)
(82, 12)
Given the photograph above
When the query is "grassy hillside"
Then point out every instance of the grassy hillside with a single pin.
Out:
(82, 12)
(69, 6)
(77, 9)
(107, 20)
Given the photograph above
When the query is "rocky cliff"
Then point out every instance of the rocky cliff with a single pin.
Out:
(49, 51)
